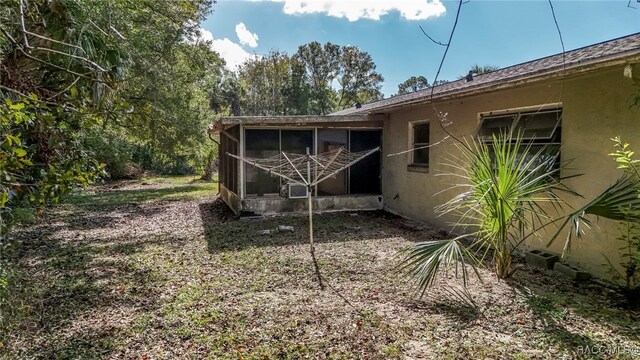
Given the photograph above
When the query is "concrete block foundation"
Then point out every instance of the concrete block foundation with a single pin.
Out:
(541, 259)
(571, 271)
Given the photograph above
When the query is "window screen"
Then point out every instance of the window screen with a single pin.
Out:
(328, 140)
(261, 144)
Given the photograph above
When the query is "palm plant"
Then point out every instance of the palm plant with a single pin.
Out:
(619, 202)
(504, 184)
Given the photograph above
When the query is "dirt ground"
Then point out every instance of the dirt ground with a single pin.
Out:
(162, 270)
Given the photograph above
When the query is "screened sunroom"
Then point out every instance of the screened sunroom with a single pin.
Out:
(251, 189)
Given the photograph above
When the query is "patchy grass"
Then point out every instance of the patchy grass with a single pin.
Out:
(159, 268)
(144, 190)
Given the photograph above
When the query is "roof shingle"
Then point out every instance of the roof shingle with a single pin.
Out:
(601, 52)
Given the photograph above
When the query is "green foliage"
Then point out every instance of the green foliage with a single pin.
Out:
(619, 202)
(40, 162)
(301, 84)
(630, 225)
(479, 70)
(118, 81)
(413, 84)
(503, 186)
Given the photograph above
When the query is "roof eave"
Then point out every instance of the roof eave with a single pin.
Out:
(292, 119)
(546, 74)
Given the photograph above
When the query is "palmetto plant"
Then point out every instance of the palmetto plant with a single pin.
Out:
(619, 202)
(504, 184)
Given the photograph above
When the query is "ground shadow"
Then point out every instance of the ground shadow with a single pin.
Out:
(224, 231)
(550, 298)
(65, 278)
(114, 198)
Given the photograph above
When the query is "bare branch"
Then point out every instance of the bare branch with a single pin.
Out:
(420, 147)
(81, 58)
(117, 33)
(24, 29)
(65, 89)
(23, 95)
(52, 40)
(98, 27)
(86, 76)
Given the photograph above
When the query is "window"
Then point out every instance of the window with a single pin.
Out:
(541, 127)
(419, 132)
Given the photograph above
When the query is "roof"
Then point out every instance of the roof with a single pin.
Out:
(292, 119)
(616, 49)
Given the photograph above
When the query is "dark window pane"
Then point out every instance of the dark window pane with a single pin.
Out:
(420, 140)
(496, 125)
(365, 174)
(539, 125)
(421, 156)
(421, 133)
(297, 141)
(261, 144)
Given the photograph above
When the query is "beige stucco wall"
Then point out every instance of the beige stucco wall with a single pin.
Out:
(595, 109)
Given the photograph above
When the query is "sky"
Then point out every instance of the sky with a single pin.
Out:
(498, 33)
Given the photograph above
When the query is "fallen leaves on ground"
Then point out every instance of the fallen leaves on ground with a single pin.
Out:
(192, 281)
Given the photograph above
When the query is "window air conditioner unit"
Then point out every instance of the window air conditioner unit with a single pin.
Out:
(297, 191)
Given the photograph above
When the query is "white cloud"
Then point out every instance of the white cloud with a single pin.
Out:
(355, 10)
(246, 37)
(232, 53)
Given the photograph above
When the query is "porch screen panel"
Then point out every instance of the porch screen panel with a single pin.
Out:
(260, 143)
(228, 166)
(296, 141)
(331, 139)
(365, 174)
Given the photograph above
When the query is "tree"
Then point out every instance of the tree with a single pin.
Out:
(264, 80)
(322, 64)
(278, 84)
(359, 82)
(479, 70)
(74, 74)
(413, 84)
(297, 91)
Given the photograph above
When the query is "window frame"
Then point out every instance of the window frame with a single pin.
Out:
(412, 165)
(553, 140)
(518, 114)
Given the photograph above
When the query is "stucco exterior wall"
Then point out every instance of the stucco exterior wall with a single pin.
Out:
(595, 108)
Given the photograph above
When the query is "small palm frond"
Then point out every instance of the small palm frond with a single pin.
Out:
(423, 261)
(610, 204)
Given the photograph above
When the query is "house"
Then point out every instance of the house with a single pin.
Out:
(577, 100)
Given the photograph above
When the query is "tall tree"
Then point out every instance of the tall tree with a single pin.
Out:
(297, 91)
(322, 64)
(413, 84)
(264, 80)
(74, 68)
(359, 82)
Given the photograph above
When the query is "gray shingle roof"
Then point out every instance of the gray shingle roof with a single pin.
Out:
(593, 54)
